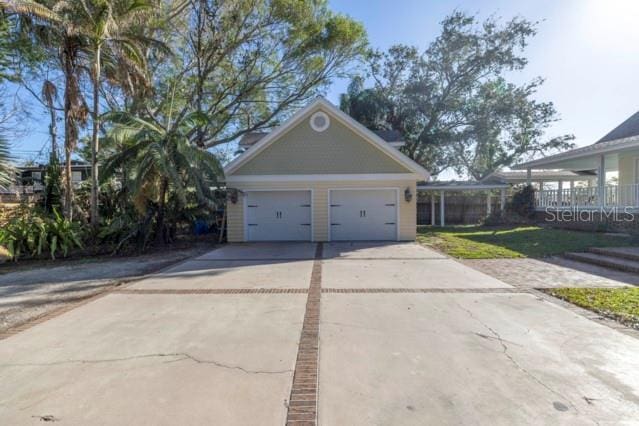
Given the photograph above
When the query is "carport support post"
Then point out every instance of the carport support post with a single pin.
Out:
(432, 209)
(528, 177)
(502, 200)
(442, 209)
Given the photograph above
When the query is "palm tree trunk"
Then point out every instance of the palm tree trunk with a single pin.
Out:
(69, 142)
(53, 132)
(95, 219)
(159, 235)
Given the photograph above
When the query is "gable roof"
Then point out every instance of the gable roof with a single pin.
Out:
(628, 128)
(326, 106)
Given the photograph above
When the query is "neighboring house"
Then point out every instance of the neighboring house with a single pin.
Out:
(31, 179)
(615, 153)
(322, 176)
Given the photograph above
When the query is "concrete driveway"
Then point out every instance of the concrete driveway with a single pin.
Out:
(269, 334)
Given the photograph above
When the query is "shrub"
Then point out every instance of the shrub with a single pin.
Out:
(52, 199)
(31, 233)
(523, 202)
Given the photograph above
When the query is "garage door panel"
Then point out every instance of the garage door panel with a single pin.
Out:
(363, 215)
(278, 216)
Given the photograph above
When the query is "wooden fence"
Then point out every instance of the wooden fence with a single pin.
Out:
(461, 207)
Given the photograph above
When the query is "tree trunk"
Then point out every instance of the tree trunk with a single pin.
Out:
(159, 234)
(69, 136)
(53, 131)
(95, 219)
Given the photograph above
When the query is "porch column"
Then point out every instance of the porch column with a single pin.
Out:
(502, 200)
(560, 195)
(601, 181)
(529, 177)
(489, 207)
(572, 193)
(541, 185)
(432, 208)
(442, 209)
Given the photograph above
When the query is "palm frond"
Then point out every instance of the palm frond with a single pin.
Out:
(32, 9)
(7, 171)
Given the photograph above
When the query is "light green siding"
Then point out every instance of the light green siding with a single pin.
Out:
(337, 150)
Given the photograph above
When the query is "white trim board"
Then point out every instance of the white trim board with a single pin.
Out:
(323, 178)
(340, 116)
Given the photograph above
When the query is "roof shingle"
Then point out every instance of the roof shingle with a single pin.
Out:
(628, 128)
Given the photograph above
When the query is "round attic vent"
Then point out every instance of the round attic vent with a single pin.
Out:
(320, 121)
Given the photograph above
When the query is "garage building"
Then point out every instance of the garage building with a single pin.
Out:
(322, 176)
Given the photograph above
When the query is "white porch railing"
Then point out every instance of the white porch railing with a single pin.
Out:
(614, 196)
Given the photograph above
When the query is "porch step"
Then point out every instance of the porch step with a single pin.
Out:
(630, 253)
(612, 262)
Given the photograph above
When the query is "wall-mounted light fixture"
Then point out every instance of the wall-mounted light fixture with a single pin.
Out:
(408, 195)
(232, 195)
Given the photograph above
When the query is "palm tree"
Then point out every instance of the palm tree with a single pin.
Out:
(109, 27)
(83, 34)
(55, 27)
(158, 160)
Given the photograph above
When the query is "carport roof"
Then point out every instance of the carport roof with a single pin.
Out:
(461, 186)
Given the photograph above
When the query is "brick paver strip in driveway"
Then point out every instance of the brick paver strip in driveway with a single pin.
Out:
(302, 404)
(218, 291)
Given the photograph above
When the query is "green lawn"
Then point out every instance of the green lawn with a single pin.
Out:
(477, 242)
(620, 304)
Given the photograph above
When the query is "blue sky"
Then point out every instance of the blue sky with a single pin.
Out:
(587, 50)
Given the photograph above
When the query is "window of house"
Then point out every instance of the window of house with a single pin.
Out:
(36, 175)
(76, 176)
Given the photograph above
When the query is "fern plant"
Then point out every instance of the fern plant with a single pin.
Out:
(31, 234)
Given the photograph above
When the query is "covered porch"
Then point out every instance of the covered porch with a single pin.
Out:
(604, 175)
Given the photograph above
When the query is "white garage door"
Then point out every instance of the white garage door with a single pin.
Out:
(278, 216)
(363, 214)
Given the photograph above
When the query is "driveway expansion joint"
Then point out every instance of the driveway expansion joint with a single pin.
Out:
(425, 290)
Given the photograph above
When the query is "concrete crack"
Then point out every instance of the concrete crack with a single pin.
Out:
(518, 366)
(179, 356)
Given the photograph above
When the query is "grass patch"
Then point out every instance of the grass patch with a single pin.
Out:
(620, 304)
(477, 242)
